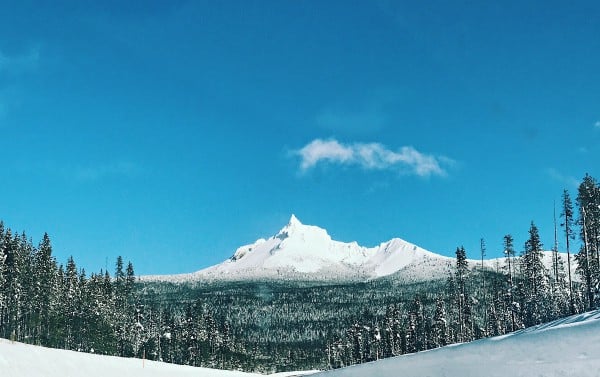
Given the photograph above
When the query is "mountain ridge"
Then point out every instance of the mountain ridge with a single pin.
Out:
(307, 252)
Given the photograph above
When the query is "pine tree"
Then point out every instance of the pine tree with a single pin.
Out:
(440, 327)
(465, 320)
(482, 249)
(3, 280)
(392, 332)
(567, 215)
(509, 251)
(499, 308)
(588, 199)
(418, 317)
(57, 321)
(122, 313)
(411, 332)
(44, 274)
(15, 274)
(71, 296)
(535, 279)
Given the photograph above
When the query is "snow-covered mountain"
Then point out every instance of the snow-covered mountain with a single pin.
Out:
(307, 252)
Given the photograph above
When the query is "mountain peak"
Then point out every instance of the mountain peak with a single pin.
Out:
(294, 220)
(290, 228)
(308, 252)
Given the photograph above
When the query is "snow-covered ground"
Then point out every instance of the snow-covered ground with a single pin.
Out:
(23, 360)
(569, 347)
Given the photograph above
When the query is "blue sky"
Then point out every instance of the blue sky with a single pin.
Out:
(172, 132)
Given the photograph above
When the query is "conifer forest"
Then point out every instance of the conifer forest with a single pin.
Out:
(270, 326)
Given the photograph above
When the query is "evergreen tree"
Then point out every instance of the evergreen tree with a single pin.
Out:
(122, 313)
(509, 251)
(15, 273)
(440, 328)
(59, 311)
(44, 295)
(482, 249)
(71, 297)
(588, 199)
(567, 224)
(411, 333)
(465, 320)
(499, 314)
(535, 278)
(3, 281)
(392, 331)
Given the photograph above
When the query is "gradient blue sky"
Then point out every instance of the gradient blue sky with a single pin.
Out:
(172, 132)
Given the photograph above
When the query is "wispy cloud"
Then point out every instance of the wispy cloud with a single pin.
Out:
(3, 109)
(14, 66)
(371, 156)
(597, 125)
(18, 63)
(8, 98)
(99, 172)
(564, 179)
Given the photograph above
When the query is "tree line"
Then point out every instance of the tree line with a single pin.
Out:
(479, 301)
(59, 306)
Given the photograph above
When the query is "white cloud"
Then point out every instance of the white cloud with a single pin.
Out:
(320, 150)
(371, 156)
(564, 179)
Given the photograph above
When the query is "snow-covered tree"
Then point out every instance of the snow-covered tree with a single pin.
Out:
(440, 327)
(588, 200)
(535, 279)
(462, 298)
(567, 224)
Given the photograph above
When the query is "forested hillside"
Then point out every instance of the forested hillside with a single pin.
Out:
(290, 325)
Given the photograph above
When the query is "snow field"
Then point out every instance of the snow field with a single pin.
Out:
(569, 347)
(23, 360)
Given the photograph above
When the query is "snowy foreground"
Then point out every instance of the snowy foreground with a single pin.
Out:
(567, 347)
(22, 360)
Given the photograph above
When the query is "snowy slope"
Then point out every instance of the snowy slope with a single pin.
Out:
(22, 360)
(568, 347)
(307, 252)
